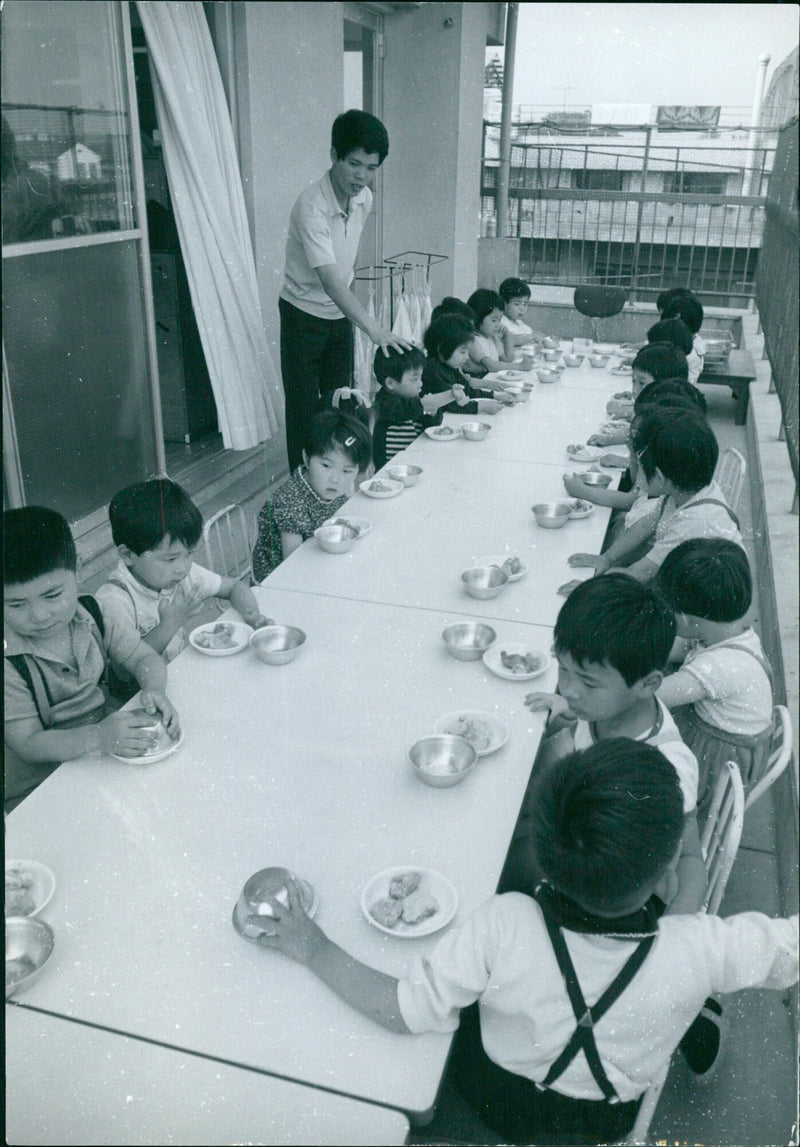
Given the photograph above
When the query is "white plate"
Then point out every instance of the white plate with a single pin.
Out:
(585, 453)
(367, 488)
(498, 559)
(433, 882)
(41, 888)
(241, 635)
(360, 524)
(441, 433)
(492, 661)
(510, 375)
(604, 348)
(151, 758)
(498, 731)
(588, 508)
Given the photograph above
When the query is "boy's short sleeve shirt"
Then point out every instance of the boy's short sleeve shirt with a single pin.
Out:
(515, 326)
(692, 520)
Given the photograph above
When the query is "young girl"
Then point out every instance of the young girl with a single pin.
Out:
(487, 347)
(338, 447)
(447, 341)
(721, 696)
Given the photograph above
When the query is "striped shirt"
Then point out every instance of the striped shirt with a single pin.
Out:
(398, 422)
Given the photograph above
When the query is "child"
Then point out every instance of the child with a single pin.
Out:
(666, 297)
(690, 310)
(401, 415)
(514, 330)
(337, 449)
(653, 363)
(156, 586)
(487, 348)
(672, 331)
(721, 696)
(448, 340)
(677, 453)
(605, 827)
(56, 650)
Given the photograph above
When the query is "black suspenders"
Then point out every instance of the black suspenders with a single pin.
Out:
(583, 1036)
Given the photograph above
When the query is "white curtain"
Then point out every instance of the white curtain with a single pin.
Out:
(206, 189)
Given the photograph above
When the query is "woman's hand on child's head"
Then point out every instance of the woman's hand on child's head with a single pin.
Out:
(586, 561)
(289, 930)
(157, 703)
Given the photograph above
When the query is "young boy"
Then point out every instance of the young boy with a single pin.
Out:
(156, 587)
(690, 310)
(56, 649)
(606, 825)
(400, 413)
(514, 331)
(677, 454)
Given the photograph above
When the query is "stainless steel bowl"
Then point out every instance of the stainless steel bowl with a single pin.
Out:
(277, 644)
(468, 640)
(551, 355)
(598, 361)
(29, 945)
(595, 478)
(573, 359)
(335, 539)
(549, 375)
(408, 475)
(552, 515)
(475, 431)
(551, 343)
(483, 582)
(442, 760)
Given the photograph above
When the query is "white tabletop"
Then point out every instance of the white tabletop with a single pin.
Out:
(137, 1092)
(301, 766)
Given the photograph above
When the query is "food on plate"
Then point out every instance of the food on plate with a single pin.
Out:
(512, 566)
(419, 906)
(387, 911)
(575, 448)
(517, 663)
(19, 898)
(222, 635)
(379, 487)
(473, 730)
(404, 884)
(444, 432)
(580, 507)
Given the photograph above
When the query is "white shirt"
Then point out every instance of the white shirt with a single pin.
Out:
(502, 955)
(680, 523)
(739, 692)
(516, 326)
(665, 736)
(695, 359)
(137, 604)
(482, 346)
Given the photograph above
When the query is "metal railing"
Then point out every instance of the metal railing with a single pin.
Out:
(627, 207)
(777, 284)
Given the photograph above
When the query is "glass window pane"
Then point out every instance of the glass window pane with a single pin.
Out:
(65, 160)
(78, 374)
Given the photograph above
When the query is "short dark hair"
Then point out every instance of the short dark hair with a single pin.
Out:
(144, 514)
(688, 309)
(615, 620)
(680, 443)
(513, 289)
(673, 331)
(606, 822)
(446, 334)
(708, 578)
(334, 430)
(666, 297)
(452, 306)
(396, 362)
(661, 360)
(673, 389)
(483, 302)
(36, 541)
(355, 129)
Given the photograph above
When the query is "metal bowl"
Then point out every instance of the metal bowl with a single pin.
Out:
(598, 360)
(484, 581)
(442, 760)
(551, 343)
(29, 945)
(549, 375)
(468, 640)
(551, 355)
(552, 515)
(595, 478)
(277, 644)
(475, 431)
(573, 359)
(335, 539)
(408, 475)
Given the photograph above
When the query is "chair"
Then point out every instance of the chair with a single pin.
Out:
(729, 476)
(227, 544)
(779, 756)
(599, 303)
(719, 845)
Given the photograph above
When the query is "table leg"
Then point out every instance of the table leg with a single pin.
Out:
(741, 402)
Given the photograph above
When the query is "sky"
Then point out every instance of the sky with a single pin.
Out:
(648, 53)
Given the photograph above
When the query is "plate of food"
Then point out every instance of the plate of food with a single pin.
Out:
(220, 638)
(581, 453)
(622, 368)
(381, 488)
(443, 433)
(510, 564)
(509, 375)
(29, 887)
(409, 902)
(515, 662)
(163, 745)
(581, 508)
(485, 732)
(361, 525)
(604, 348)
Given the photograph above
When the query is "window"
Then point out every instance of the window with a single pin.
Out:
(597, 180)
(695, 183)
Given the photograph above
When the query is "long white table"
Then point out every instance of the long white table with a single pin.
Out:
(138, 1092)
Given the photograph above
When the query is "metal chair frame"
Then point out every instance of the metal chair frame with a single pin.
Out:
(729, 476)
(227, 543)
(779, 757)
